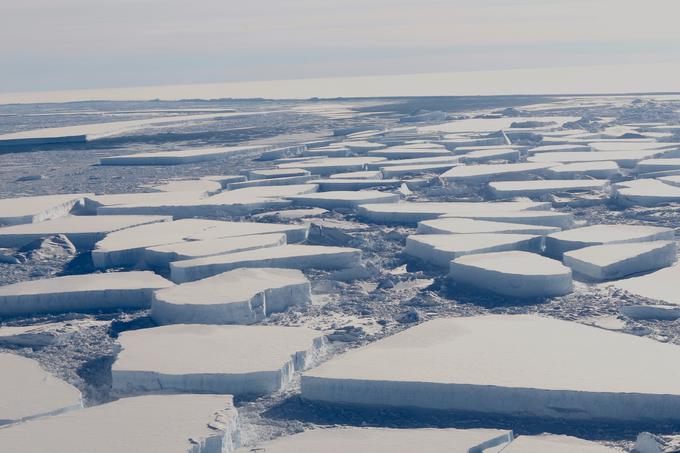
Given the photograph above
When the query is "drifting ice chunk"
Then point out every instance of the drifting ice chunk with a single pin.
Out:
(613, 261)
(179, 157)
(558, 243)
(333, 165)
(646, 192)
(559, 148)
(548, 443)
(626, 159)
(384, 440)
(287, 256)
(654, 165)
(510, 189)
(16, 211)
(452, 160)
(327, 151)
(631, 145)
(127, 247)
(455, 225)
(195, 358)
(402, 152)
(516, 274)
(277, 173)
(224, 180)
(39, 335)
(546, 218)
(661, 286)
(155, 423)
(405, 170)
(241, 296)
(344, 199)
(82, 231)
(27, 391)
(486, 155)
(188, 185)
(354, 184)
(357, 175)
(412, 213)
(361, 146)
(163, 255)
(89, 292)
(532, 366)
(96, 202)
(440, 249)
(604, 169)
(270, 182)
(476, 174)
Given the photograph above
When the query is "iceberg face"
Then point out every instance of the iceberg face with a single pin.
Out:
(167, 423)
(241, 296)
(27, 391)
(192, 358)
(532, 366)
(81, 293)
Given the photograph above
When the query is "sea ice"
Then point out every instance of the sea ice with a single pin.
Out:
(514, 273)
(511, 189)
(455, 225)
(600, 169)
(567, 147)
(658, 286)
(654, 165)
(440, 249)
(16, 211)
(287, 256)
(477, 174)
(646, 192)
(520, 365)
(241, 296)
(375, 174)
(614, 261)
(334, 165)
(337, 184)
(184, 156)
(486, 155)
(344, 198)
(206, 186)
(290, 180)
(276, 173)
(27, 391)
(89, 292)
(627, 159)
(549, 443)
(196, 358)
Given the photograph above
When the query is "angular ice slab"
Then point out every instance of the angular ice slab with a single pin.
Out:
(514, 273)
(510, 189)
(338, 184)
(661, 286)
(546, 218)
(277, 173)
(361, 146)
(241, 296)
(614, 261)
(477, 174)
(519, 365)
(98, 204)
(454, 225)
(333, 165)
(602, 169)
(358, 175)
(646, 192)
(404, 152)
(559, 148)
(412, 213)
(82, 231)
(418, 169)
(144, 424)
(206, 186)
(127, 247)
(161, 256)
(558, 243)
(549, 443)
(16, 211)
(89, 292)
(344, 198)
(486, 155)
(287, 256)
(627, 159)
(446, 160)
(386, 440)
(654, 165)
(440, 249)
(197, 358)
(185, 156)
(27, 391)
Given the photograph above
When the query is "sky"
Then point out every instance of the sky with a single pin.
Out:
(91, 44)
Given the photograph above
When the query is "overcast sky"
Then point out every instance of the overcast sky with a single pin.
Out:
(71, 44)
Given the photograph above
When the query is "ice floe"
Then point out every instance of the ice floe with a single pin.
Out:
(477, 174)
(600, 169)
(550, 443)
(333, 165)
(511, 189)
(185, 156)
(460, 225)
(343, 198)
(16, 211)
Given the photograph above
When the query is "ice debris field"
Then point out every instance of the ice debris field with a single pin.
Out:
(492, 274)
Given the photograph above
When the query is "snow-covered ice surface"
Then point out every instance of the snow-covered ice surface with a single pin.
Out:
(19, 210)
(554, 444)
(192, 358)
(387, 291)
(163, 423)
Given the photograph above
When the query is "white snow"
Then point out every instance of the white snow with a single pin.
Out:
(333, 165)
(361, 146)
(95, 203)
(454, 225)
(276, 173)
(344, 198)
(82, 231)
(476, 174)
(290, 180)
(154, 423)
(287, 256)
(375, 174)
(546, 218)
(492, 124)
(405, 152)
(127, 247)
(385, 440)
(426, 161)
(661, 286)
(646, 192)
(614, 261)
(558, 243)
(511, 189)
(627, 159)
(559, 148)
(160, 256)
(196, 358)
(653, 165)
(520, 365)
(184, 156)
(89, 292)
(631, 145)
(485, 155)
(241, 296)
(419, 169)
(550, 443)
(338, 184)
(206, 186)
(16, 211)
(440, 249)
(224, 180)
(28, 391)
(601, 169)
(412, 213)
(514, 273)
